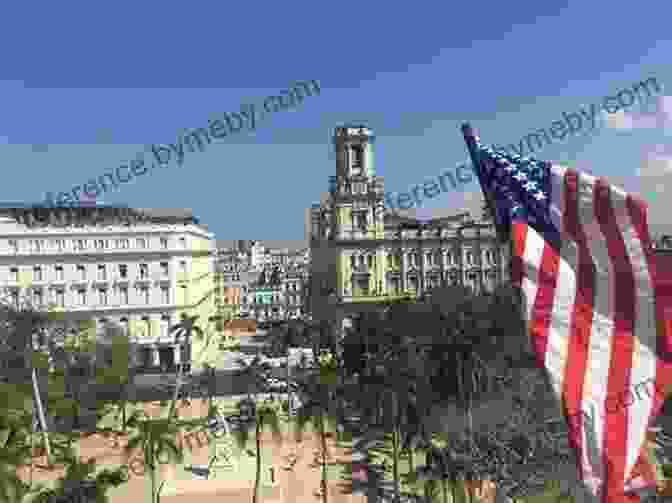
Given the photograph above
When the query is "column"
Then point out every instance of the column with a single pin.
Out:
(155, 356)
(177, 354)
(403, 267)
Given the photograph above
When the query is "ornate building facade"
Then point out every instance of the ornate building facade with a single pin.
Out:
(362, 257)
(140, 269)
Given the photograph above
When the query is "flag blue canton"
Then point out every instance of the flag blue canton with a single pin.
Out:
(520, 188)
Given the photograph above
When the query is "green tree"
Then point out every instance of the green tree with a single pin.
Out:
(81, 478)
(156, 438)
(255, 372)
(265, 415)
(15, 431)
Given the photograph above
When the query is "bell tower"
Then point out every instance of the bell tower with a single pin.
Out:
(357, 213)
(356, 192)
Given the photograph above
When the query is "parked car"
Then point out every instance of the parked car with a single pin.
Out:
(277, 385)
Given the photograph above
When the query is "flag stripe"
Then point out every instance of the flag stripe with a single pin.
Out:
(581, 322)
(543, 303)
(643, 363)
(621, 299)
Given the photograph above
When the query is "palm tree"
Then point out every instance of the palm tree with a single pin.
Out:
(184, 330)
(80, 478)
(210, 376)
(20, 326)
(265, 415)
(156, 437)
(319, 409)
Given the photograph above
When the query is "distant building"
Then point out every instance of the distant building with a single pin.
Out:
(362, 258)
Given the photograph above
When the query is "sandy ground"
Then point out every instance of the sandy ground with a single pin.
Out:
(298, 484)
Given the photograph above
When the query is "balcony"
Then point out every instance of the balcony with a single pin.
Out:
(373, 298)
(362, 233)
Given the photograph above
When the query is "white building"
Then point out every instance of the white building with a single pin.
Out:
(257, 255)
(141, 269)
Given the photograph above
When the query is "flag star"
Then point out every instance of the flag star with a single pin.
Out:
(508, 168)
(531, 185)
(520, 176)
(539, 196)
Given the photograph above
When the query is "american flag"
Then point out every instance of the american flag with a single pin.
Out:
(582, 256)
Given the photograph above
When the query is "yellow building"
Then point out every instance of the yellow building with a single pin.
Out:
(141, 269)
(363, 256)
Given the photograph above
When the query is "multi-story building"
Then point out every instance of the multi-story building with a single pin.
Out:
(262, 283)
(277, 294)
(362, 257)
(141, 269)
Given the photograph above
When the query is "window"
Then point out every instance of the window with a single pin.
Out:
(122, 244)
(164, 243)
(144, 271)
(36, 245)
(141, 243)
(37, 297)
(14, 274)
(37, 273)
(60, 297)
(102, 273)
(470, 257)
(81, 297)
(80, 244)
(353, 261)
(183, 243)
(123, 271)
(123, 295)
(59, 272)
(81, 272)
(101, 244)
(102, 296)
(144, 292)
(58, 244)
(183, 266)
(147, 325)
(165, 295)
(357, 156)
(165, 324)
(430, 258)
(124, 325)
(164, 269)
(15, 297)
(14, 245)
(370, 260)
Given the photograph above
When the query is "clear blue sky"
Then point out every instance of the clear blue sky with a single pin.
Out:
(84, 86)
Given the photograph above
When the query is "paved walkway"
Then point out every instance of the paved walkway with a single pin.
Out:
(298, 484)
